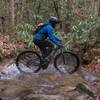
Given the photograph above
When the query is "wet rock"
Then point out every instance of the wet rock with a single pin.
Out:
(84, 88)
(4, 99)
(17, 98)
(25, 69)
(90, 77)
(12, 91)
(87, 76)
(34, 98)
(45, 97)
(79, 97)
(83, 97)
(10, 72)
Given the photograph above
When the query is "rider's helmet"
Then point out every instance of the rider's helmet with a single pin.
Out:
(53, 19)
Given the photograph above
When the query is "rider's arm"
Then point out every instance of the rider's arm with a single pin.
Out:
(53, 37)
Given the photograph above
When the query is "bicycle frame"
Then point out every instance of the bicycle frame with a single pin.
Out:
(53, 54)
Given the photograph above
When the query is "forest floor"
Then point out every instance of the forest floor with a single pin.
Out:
(47, 84)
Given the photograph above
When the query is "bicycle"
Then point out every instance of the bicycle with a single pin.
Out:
(62, 60)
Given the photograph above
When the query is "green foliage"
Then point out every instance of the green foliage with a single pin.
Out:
(24, 31)
(18, 13)
(2, 8)
(83, 31)
(36, 18)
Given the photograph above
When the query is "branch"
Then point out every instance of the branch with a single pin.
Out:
(56, 8)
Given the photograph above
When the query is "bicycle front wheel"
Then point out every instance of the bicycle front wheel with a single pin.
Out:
(28, 61)
(67, 62)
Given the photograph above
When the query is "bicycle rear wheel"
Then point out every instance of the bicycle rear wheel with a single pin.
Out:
(28, 61)
(67, 62)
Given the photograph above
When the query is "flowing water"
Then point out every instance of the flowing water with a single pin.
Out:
(46, 85)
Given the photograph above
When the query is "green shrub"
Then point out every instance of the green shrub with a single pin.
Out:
(24, 31)
(83, 31)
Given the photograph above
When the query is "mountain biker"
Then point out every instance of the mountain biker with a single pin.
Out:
(45, 37)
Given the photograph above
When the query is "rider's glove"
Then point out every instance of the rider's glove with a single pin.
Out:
(60, 46)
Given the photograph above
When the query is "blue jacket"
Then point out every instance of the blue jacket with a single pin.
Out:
(47, 32)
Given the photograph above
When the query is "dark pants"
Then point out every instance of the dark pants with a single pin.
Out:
(45, 46)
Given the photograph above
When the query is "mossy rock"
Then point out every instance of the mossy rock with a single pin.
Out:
(88, 57)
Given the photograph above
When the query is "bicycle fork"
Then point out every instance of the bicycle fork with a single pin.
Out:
(63, 56)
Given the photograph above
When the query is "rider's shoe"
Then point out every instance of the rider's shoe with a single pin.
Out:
(44, 63)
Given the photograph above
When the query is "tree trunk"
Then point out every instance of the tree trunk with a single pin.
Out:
(99, 9)
(56, 7)
(12, 12)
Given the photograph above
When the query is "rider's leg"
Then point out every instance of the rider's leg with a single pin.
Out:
(46, 48)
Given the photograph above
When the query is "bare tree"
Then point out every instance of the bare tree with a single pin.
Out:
(99, 9)
(12, 11)
(56, 7)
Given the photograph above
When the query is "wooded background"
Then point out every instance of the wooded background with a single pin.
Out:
(13, 12)
(19, 17)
